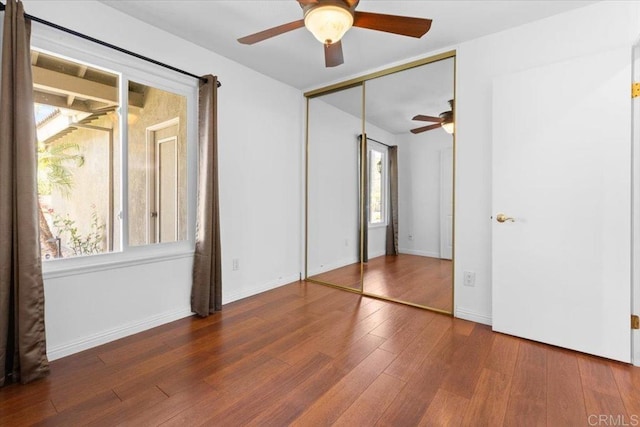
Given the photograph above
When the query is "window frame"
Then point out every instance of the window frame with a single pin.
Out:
(127, 68)
(384, 183)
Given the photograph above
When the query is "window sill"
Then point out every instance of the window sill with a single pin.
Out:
(90, 264)
(374, 226)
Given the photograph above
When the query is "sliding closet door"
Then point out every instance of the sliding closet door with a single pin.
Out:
(333, 188)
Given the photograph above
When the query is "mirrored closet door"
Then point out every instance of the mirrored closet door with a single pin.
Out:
(410, 191)
(334, 123)
(380, 184)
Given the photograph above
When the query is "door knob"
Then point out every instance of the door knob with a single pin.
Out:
(503, 218)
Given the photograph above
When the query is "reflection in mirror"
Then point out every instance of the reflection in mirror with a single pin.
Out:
(410, 196)
(333, 180)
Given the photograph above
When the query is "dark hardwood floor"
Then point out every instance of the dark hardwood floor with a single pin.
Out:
(308, 355)
(415, 279)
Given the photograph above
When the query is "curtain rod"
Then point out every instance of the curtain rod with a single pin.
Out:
(386, 145)
(109, 45)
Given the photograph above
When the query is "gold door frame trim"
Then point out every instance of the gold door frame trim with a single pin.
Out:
(361, 81)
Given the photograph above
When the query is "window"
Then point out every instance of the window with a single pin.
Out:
(112, 178)
(377, 187)
(76, 130)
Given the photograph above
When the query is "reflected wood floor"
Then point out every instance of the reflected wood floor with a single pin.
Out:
(347, 276)
(415, 279)
(308, 355)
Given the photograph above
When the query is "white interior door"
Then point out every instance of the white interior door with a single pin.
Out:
(163, 182)
(167, 189)
(561, 169)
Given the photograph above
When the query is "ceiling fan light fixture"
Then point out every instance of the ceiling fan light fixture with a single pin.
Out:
(328, 23)
(448, 127)
(447, 120)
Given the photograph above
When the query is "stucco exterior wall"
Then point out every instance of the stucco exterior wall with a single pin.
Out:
(159, 107)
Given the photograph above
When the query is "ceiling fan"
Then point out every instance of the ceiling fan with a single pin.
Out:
(329, 20)
(444, 120)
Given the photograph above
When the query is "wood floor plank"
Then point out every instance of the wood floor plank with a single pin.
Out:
(335, 401)
(406, 409)
(446, 409)
(408, 332)
(628, 380)
(291, 404)
(372, 403)
(565, 396)
(246, 373)
(504, 354)
(601, 392)
(469, 360)
(127, 409)
(322, 359)
(413, 356)
(167, 409)
(488, 404)
(86, 411)
(528, 398)
(239, 409)
(27, 415)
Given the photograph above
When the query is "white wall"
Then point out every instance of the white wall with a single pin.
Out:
(592, 29)
(333, 214)
(333, 187)
(260, 194)
(419, 178)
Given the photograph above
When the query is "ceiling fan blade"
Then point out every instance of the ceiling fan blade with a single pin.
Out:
(333, 54)
(427, 118)
(272, 32)
(426, 128)
(403, 25)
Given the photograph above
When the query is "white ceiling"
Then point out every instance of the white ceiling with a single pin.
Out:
(296, 58)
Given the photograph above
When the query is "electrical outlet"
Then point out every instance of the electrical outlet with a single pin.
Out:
(346, 242)
(411, 237)
(235, 264)
(469, 278)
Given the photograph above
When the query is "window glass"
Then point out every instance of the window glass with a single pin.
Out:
(157, 156)
(77, 130)
(376, 187)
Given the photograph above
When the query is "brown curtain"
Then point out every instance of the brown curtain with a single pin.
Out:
(392, 227)
(364, 179)
(206, 290)
(23, 354)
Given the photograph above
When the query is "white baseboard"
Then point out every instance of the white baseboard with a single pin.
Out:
(635, 346)
(58, 351)
(228, 297)
(331, 266)
(377, 254)
(465, 314)
(419, 253)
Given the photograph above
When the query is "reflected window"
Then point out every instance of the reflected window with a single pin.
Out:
(377, 186)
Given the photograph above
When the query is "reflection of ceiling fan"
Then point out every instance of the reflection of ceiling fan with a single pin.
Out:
(444, 120)
(329, 20)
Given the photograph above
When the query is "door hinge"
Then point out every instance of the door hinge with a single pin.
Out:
(635, 321)
(635, 89)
